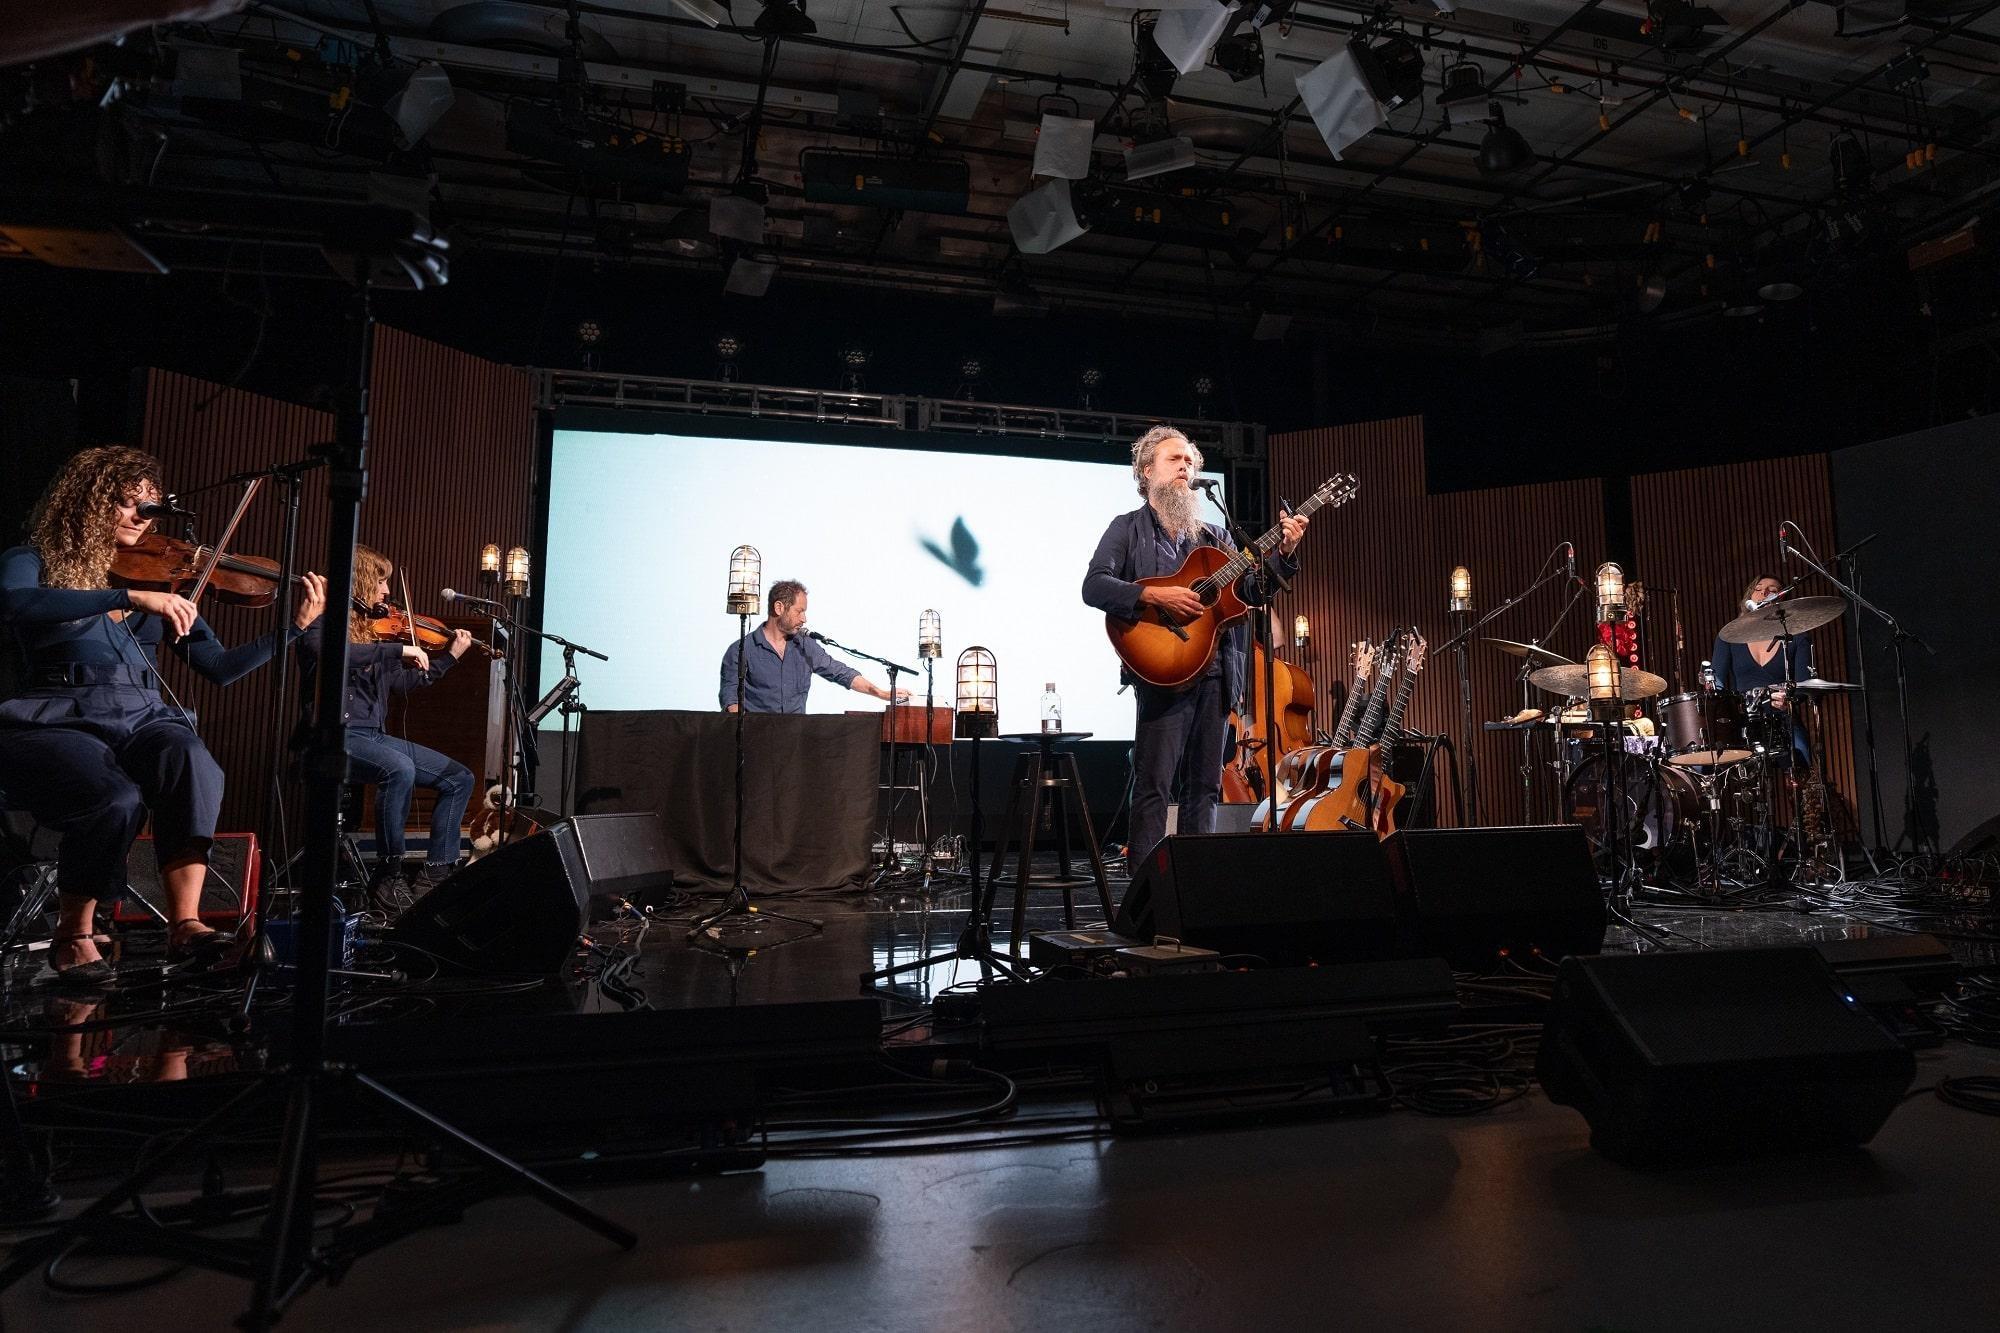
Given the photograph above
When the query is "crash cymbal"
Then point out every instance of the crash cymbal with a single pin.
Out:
(1816, 684)
(1534, 652)
(1791, 615)
(1573, 682)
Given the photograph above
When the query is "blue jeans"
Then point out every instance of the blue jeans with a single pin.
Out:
(1177, 732)
(397, 768)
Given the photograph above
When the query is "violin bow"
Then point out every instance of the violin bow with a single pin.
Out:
(217, 551)
(409, 616)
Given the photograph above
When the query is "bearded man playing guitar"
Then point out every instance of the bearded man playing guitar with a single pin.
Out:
(1179, 727)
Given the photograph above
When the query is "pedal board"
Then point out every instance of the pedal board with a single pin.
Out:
(1082, 949)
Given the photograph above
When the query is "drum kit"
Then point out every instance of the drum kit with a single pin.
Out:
(1689, 796)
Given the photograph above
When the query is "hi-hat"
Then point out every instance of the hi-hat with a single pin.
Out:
(1573, 682)
(1817, 684)
(1791, 615)
(1534, 652)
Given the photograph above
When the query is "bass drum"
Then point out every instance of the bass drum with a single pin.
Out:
(1657, 820)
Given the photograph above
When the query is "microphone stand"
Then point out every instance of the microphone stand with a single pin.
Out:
(522, 725)
(1265, 573)
(737, 902)
(887, 867)
(1464, 638)
(1898, 636)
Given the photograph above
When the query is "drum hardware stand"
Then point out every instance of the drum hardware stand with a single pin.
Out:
(737, 903)
(1898, 636)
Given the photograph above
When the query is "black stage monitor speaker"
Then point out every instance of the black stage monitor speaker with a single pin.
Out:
(1288, 897)
(522, 908)
(1471, 893)
(1716, 1053)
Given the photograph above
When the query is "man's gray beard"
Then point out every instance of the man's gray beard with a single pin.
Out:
(1179, 510)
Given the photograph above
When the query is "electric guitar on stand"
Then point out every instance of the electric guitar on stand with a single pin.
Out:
(1164, 651)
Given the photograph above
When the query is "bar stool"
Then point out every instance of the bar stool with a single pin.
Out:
(1046, 778)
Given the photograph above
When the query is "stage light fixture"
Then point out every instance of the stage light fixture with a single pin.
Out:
(1204, 386)
(855, 358)
(1301, 631)
(1610, 583)
(1062, 147)
(515, 583)
(1153, 69)
(489, 564)
(1463, 82)
(416, 106)
(746, 581)
(1046, 218)
(785, 18)
(977, 695)
(589, 333)
(702, 11)
(688, 235)
(1239, 55)
(1092, 377)
(1503, 149)
(930, 635)
(1352, 91)
(1461, 589)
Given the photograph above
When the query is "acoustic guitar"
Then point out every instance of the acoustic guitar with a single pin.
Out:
(1302, 770)
(1385, 791)
(1169, 653)
(1338, 800)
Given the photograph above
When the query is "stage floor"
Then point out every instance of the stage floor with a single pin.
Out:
(1390, 1220)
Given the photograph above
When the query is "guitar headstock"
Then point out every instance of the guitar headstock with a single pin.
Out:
(1413, 660)
(1337, 489)
(1364, 659)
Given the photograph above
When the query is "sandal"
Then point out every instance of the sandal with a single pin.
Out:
(97, 974)
(205, 945)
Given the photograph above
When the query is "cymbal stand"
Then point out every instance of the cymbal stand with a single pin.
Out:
(1460, 640)
(1898, 636)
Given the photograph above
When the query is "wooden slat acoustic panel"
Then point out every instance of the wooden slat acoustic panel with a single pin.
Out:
(451, 464)
(1710, 531)
(1386, 559)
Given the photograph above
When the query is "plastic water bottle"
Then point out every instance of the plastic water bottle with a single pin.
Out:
(1707, 676)
(1051, 708)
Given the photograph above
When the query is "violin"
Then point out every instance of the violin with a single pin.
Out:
(389, 621)
(167, 564)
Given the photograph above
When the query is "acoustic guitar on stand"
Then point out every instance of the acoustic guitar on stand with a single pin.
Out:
(1167, 652)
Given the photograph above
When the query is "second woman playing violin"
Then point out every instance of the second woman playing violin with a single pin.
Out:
(377, 669)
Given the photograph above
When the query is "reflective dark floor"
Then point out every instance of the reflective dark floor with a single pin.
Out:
(162, 1026)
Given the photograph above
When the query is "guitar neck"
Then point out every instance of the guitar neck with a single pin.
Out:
(1395, 724)
(1241, 562)
(1378, 705)
(1350, 712)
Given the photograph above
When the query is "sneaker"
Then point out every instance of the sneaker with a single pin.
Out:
(431, 876)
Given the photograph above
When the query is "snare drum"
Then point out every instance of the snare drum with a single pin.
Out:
(1705, 729)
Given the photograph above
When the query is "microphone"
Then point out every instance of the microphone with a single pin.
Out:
(1205, 483)
(451, 596)
(168, 508)
(816, 636)
(1569, 558)
(1784, 556)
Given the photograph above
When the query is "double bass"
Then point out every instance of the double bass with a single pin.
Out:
(1243, 777)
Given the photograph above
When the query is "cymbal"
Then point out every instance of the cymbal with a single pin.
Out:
(1815, 683)
(1573, 682)
(1792, 615)
(1532, 651)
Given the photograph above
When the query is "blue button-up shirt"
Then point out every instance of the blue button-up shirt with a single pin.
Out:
(774, 684)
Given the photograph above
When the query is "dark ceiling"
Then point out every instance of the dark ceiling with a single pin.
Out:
(1679, 159)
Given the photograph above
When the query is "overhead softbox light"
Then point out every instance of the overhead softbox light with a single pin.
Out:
(1062, 147)
(1337, 95)
(1045, 218)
